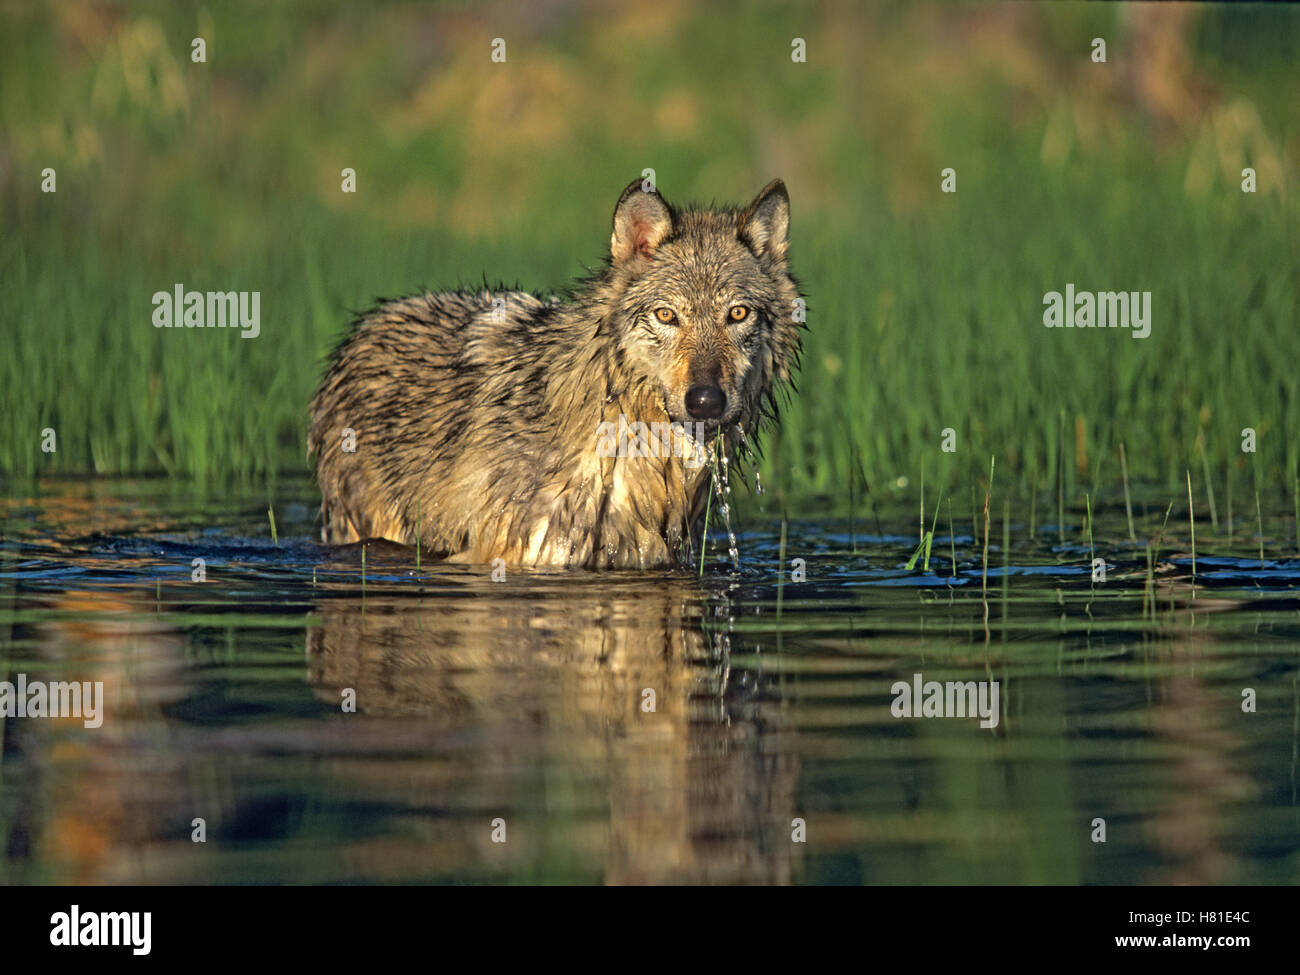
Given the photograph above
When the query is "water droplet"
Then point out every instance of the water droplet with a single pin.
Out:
(722, 489)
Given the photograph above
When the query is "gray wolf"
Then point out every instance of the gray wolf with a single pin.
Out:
(479, 423)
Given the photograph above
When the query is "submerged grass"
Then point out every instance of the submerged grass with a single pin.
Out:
(1191, 526)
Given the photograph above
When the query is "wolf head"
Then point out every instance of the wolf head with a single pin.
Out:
(707, 307)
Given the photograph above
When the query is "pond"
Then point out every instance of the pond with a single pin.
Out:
(314, 719)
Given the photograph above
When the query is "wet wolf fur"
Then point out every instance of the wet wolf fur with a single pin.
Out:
(476, 415)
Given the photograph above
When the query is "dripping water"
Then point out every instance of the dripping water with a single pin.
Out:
(722, 489)
(753, 457)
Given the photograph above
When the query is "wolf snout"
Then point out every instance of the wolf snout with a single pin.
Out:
(705, 402)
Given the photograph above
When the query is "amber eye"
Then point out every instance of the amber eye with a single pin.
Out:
(666, 315)
(738, 313)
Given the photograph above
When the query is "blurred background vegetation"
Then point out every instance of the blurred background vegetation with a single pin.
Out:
(925, 307)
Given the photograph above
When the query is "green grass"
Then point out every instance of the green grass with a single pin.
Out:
(924, 308)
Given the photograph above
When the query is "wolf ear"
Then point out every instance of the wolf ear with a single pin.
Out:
(642, 221)
(765, 226)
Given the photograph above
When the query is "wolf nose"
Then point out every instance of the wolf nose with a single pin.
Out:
(705, 402)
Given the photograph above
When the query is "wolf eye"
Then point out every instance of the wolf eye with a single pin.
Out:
(666, 315)
(738, 313)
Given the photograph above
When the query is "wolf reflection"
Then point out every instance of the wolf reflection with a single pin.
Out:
(702, 788)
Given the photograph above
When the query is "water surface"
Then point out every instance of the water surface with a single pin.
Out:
(640, 727)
